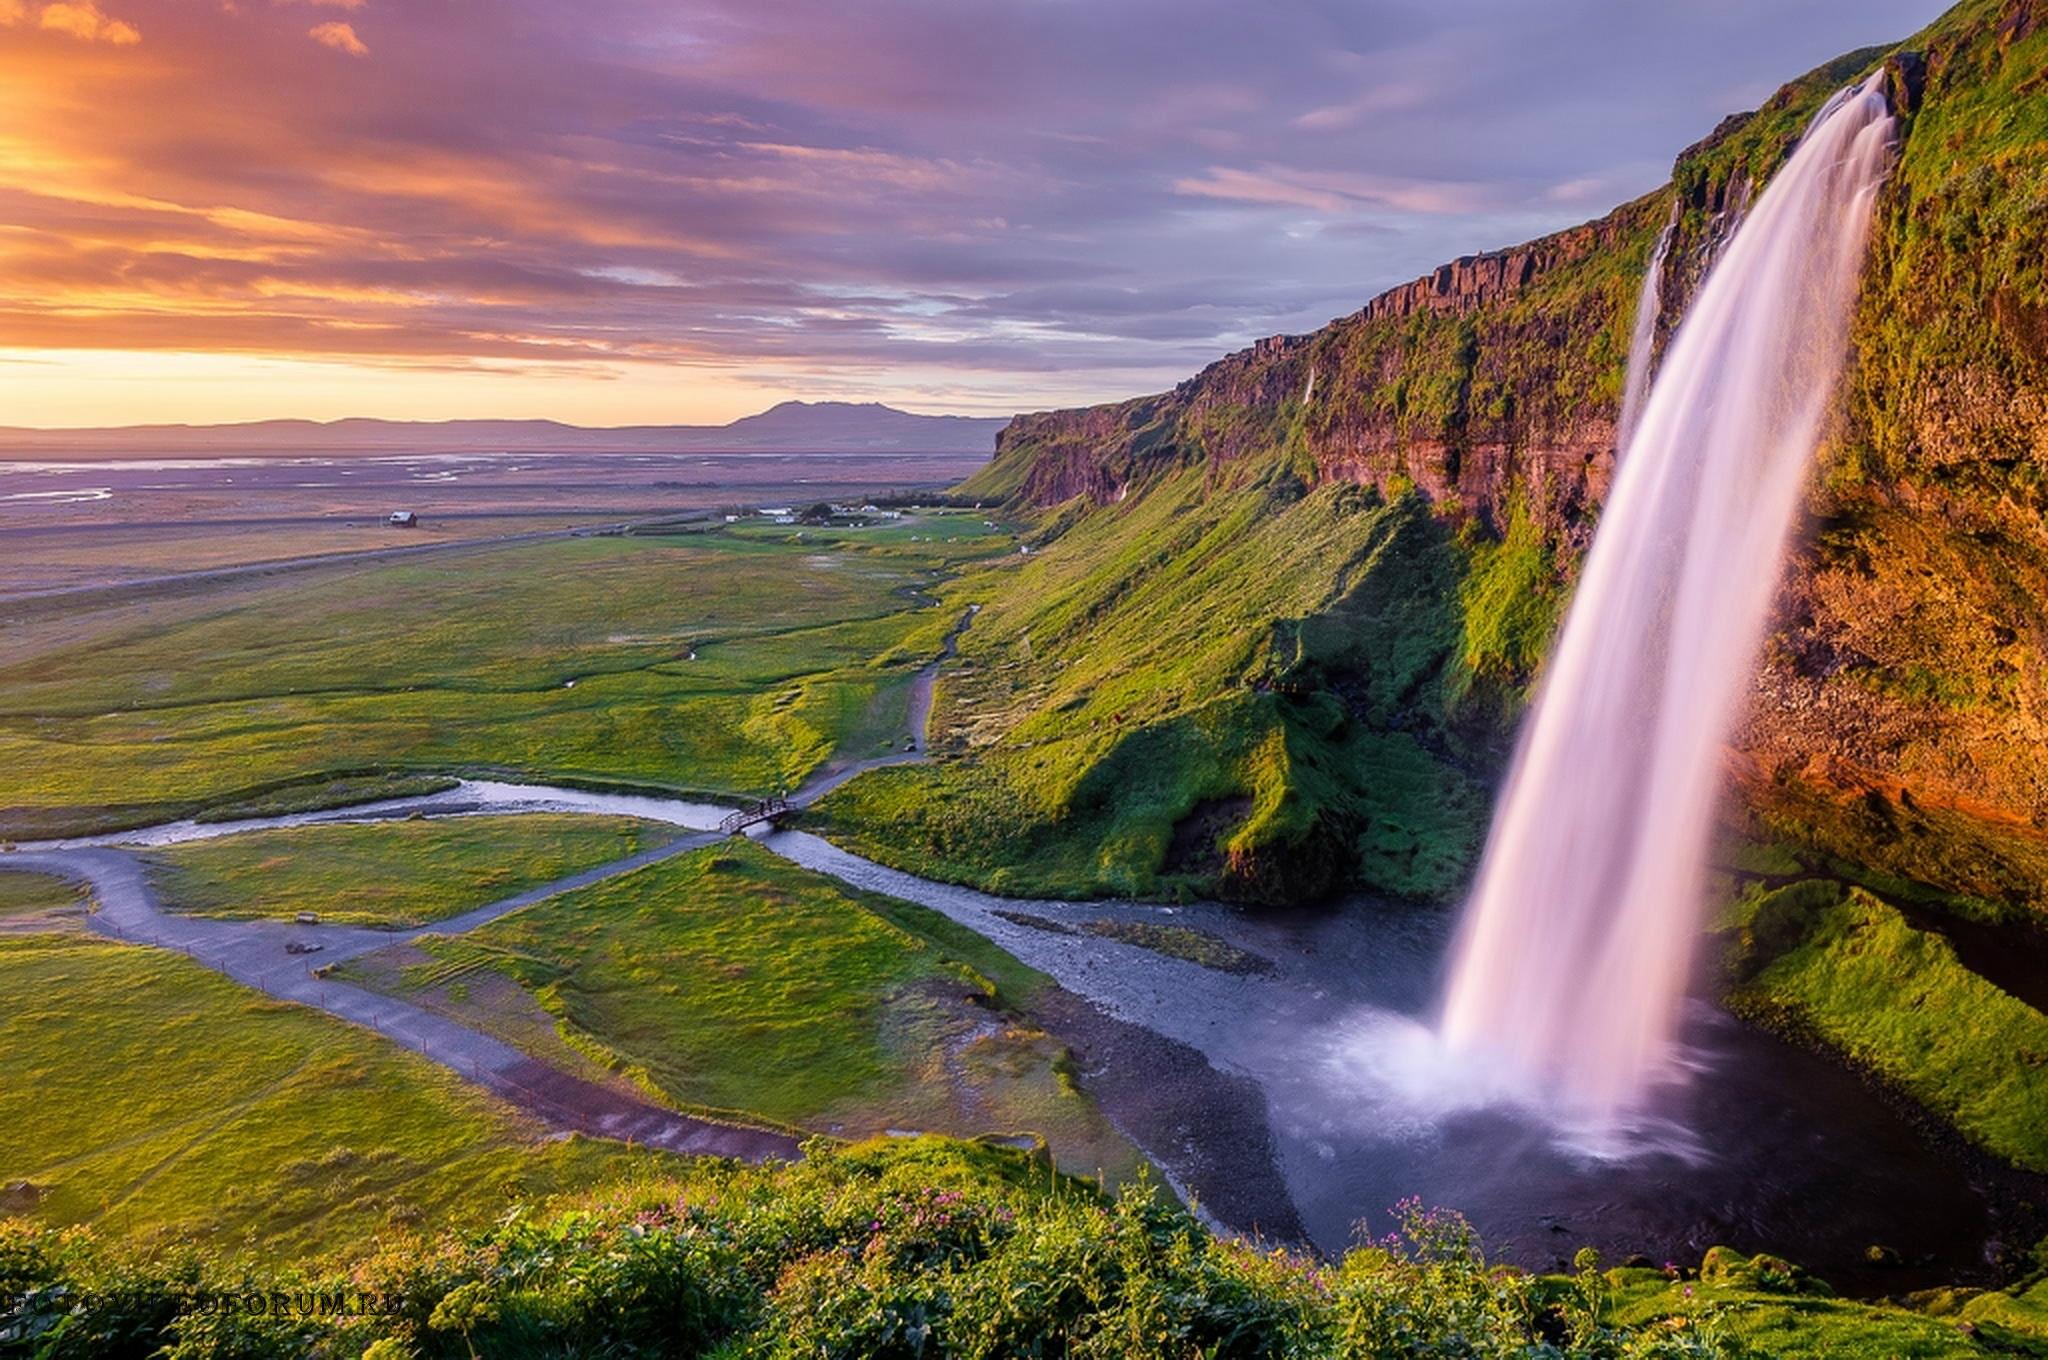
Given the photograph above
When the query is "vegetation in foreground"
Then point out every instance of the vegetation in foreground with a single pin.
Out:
(396, 873)
(160, 1102)
(930, 1248)
(729, 981)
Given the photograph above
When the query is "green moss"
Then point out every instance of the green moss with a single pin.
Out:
(1511, 602)
(1181, 942)
(1847, 969)
(2022, 1310)
(1190, 649)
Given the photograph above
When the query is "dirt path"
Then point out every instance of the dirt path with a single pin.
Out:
(918, 721)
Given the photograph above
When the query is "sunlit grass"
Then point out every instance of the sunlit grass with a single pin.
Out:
(731, 981)
(699, 663)
(389, 873)
(155, 1099)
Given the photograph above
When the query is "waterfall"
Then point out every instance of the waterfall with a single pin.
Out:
(1643, 338)
(1576, 943)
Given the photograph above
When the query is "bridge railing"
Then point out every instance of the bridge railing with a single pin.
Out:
(767, 810)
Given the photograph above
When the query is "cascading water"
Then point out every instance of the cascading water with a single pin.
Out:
(1575, 946)
(1642, 344)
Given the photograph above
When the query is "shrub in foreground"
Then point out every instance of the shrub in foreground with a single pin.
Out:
(916, 1249)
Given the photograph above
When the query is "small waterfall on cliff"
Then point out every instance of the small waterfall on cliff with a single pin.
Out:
(1642, 341)
(1575, 946)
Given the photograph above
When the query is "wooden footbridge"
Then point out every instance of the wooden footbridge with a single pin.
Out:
(769, 810)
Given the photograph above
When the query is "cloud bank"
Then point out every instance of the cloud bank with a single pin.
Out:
(981, 205)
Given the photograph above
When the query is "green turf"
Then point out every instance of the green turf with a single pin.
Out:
(707, 662)
(731, 981)
(1841, 966)
(26, 894)
(398, 873)
(158, 1100)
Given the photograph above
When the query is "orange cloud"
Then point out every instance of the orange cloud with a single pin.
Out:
(339, 36)
(84, 19)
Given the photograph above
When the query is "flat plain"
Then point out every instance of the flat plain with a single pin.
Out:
(700, 661)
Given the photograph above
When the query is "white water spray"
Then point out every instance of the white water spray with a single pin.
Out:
(1642, 343)
(1576, 943)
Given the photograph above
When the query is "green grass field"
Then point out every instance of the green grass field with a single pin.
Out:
(34, 894)
(700, 661)
(389, 873)
(730, 981)
(157, 1101)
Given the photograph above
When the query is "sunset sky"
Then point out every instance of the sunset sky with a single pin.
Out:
(618, 211)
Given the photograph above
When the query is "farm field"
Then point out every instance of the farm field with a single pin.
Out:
(71, 519)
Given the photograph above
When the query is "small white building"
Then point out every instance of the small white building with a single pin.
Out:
(403, 519)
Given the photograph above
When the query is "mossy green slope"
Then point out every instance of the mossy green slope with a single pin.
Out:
(1300, 651)
(1838, 965)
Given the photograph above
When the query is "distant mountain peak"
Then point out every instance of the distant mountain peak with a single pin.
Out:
(793, 426)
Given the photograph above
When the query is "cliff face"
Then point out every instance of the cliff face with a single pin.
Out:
(1902, 714)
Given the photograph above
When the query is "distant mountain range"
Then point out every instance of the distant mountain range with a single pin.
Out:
(831, 427)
